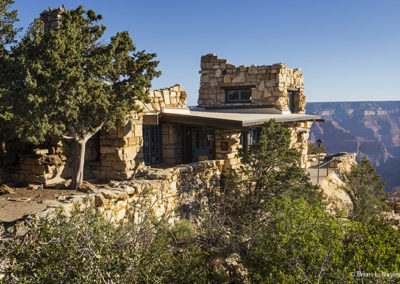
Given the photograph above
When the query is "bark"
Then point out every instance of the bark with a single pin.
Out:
(77, 176)
(79, 157)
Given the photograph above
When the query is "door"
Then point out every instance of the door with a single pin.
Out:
(202, 144)
(151, 145)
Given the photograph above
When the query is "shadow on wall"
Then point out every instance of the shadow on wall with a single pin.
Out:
(49, 163)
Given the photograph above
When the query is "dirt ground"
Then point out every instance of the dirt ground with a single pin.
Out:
(24, 201)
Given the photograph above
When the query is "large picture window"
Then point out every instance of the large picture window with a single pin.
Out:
(238, 96)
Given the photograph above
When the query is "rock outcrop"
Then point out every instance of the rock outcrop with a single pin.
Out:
(333, 183)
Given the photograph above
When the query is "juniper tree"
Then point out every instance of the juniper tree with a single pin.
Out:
(70, 83)
(236, 218)
(7, 37)
(365, 189)
(7, 20)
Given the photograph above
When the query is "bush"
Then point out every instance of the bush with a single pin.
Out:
(87, 249)
(366, 192)
(313, 149)
(302, 243)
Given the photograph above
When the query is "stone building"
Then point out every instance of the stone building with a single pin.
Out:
(233, 103)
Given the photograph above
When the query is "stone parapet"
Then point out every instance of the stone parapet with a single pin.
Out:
(172, 97)
(269, 84)
(172, 193)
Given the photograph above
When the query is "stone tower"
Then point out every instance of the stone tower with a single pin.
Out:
(52, 18)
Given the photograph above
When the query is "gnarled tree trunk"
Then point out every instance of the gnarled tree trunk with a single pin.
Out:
(77, 176)
(79, 157)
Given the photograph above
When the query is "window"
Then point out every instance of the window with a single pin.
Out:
(151, 145)
(249, 137)
(291, 101)
(254, 135)
(238, 96)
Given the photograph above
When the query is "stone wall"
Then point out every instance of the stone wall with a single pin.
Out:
(270, 84)
(299, 139)
(118, 153)
(227, 146)
(41, 166)
(52, 18)
(172, 97)
(172, 146)
(122, 148)
(173, 193)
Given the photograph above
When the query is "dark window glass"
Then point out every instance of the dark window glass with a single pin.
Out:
(239, 95)
(151, 145)
(291, 101)
(233, 95)
(254, 134)
(246, 95)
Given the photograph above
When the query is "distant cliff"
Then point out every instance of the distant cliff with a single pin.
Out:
(367, 128)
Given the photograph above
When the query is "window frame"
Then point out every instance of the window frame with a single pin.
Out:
(239, 90)
(152, 144)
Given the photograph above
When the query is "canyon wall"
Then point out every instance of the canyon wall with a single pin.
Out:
(369, 129)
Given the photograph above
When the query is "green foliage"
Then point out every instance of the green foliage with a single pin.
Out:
(70, 82)
(85, 248)
(7, 34)
(235, 219)
(313, 149)
(366, 192)
(7, 20)
(271, 168)
(371, 248)
(302, 243)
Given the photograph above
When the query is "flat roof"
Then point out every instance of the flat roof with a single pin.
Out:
(234, 118)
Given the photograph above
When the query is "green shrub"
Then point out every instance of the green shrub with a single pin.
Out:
(85, 248)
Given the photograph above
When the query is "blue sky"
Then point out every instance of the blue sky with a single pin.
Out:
(349, 50)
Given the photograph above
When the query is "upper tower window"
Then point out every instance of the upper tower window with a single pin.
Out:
(290, 95)
(240, 95)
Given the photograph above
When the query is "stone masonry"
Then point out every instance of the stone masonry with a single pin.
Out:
(52, 18)
(173, 193)
(122, 148)
(270, 84)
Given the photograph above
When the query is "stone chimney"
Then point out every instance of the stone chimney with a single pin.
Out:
(52, 18)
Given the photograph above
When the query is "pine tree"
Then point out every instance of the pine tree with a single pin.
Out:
(69, 83)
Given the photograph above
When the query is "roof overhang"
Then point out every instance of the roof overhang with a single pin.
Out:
(231, 119)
